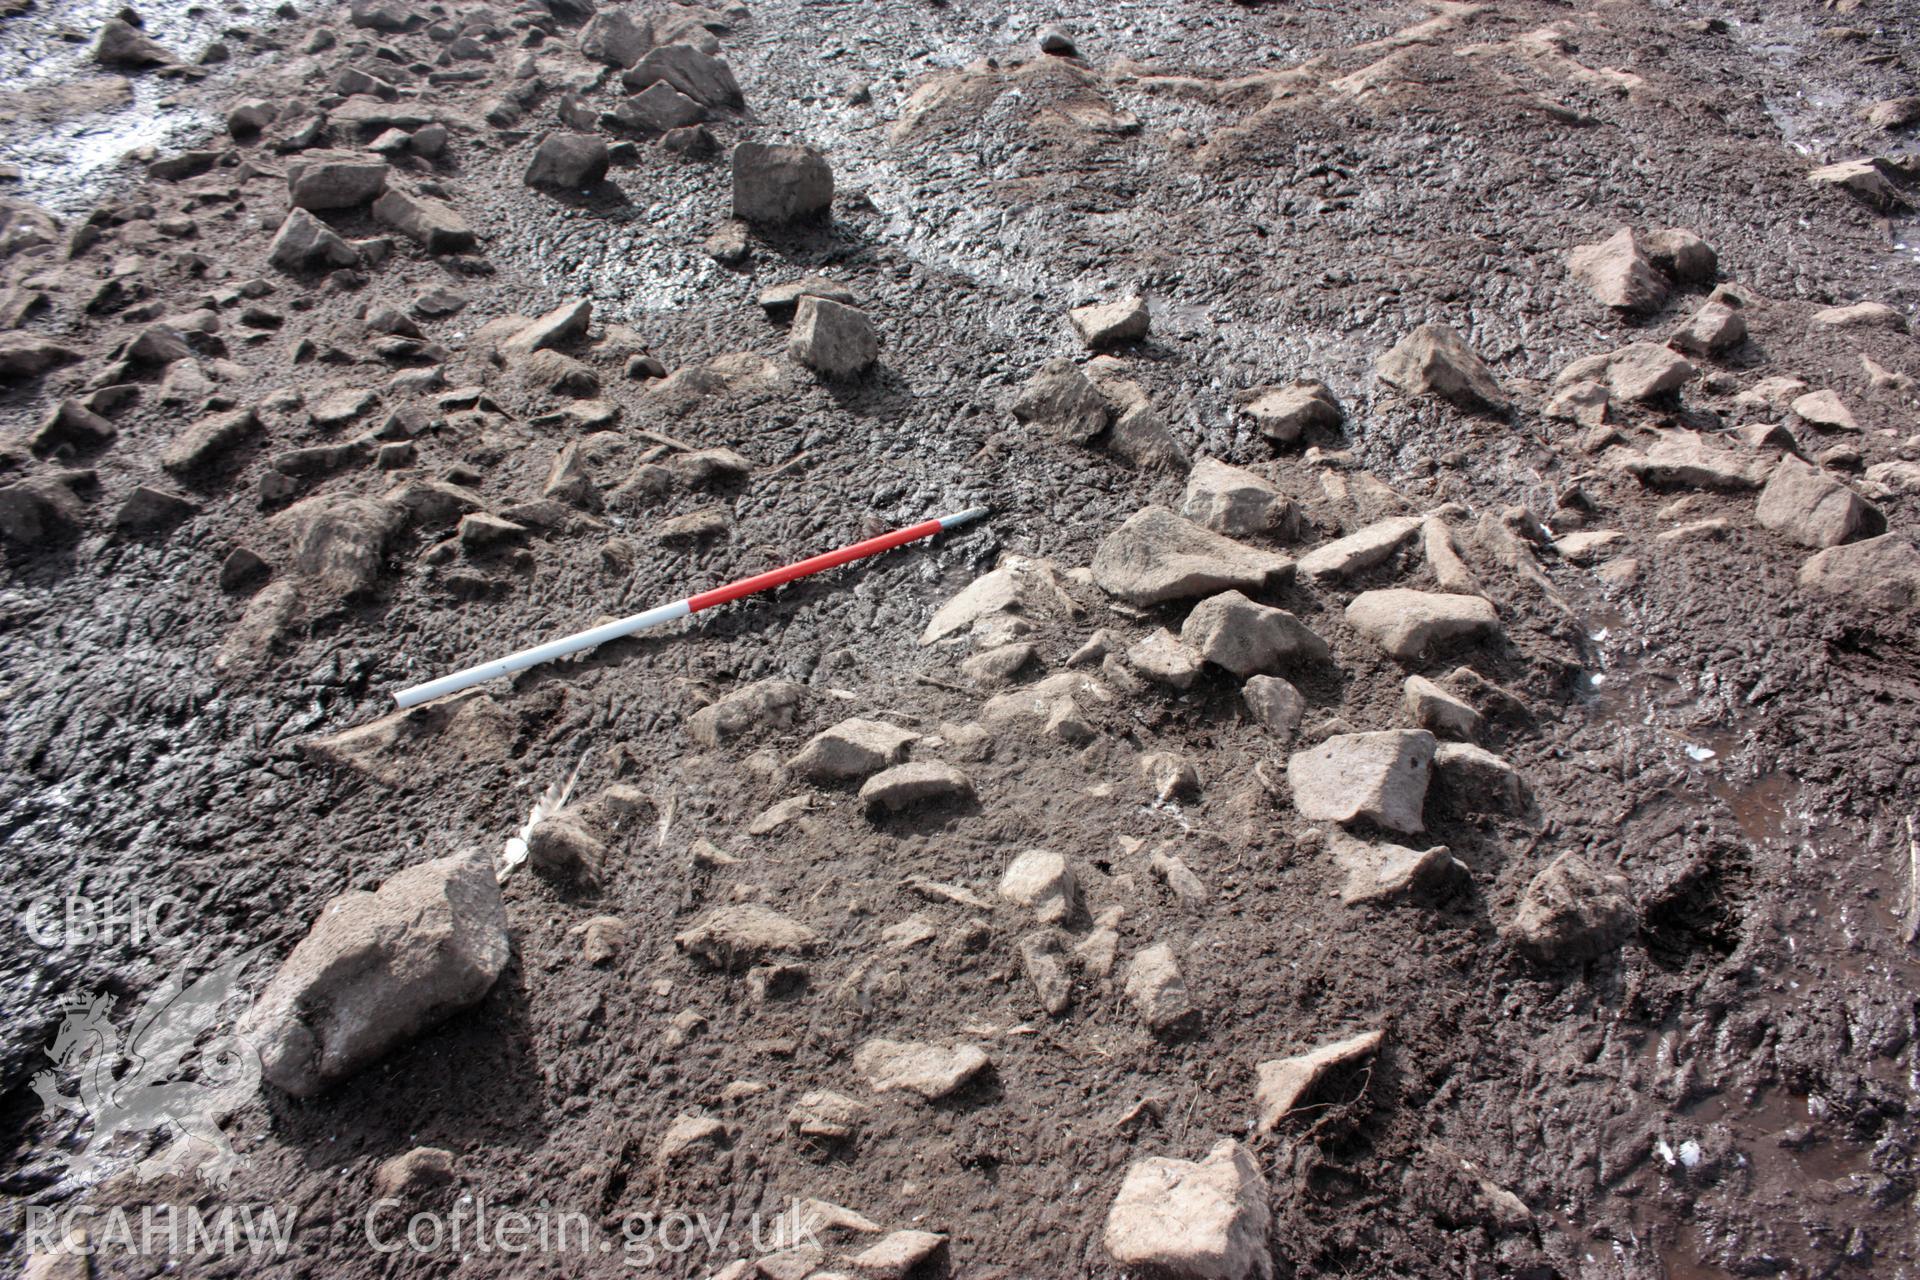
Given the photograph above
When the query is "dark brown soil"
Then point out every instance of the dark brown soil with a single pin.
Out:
(1293, 188)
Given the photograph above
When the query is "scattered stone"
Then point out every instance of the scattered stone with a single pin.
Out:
(1195, 1220)
(1248, 639)
(900, 1255)
(1043, 957)
(704, 78)
(1572, 911)
(304, 243)
(1284, 414)
(1683, 459)
(1060, 398)
(602, 938)
(1584, 402)
(1235, 503)
(37, 511)
(1275, 705)
(924, 1069)
(1480, 779)
(414, 1174)
(334, 179)
(1111, 323)
(121, 44)
(72, 425)
(1407, 623)
(1157, 556)
(917, 783)
(1168, 775)
(1715, 328)
(25, 355)
(1432, 708)
(780, 301)
(767, 704)
(1158, 990)
(826, 1116)
(1861, 178)
(1285, 1082)
(1804, 504)
(1882, 572)
(780, 184)
(1378, 777)
(740, 936)
(1860, 315)
(149, 510)
(568, 162)
(206, 439)
(661, 109)
(1824, 409)
(377, 969)
(1646, 371)
(1432, 360)
(1058, 41)
(1619, 273)
(1161, 658)
(611, 37)
(566, 323)
(1892, 113)
(432, 225)
(851, 750)
(1358, 552)
(1381, 873)
(832, 339)
(1682, 255)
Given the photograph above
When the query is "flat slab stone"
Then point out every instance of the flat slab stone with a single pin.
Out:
(1378, 777)
(1283, 1082)
(1158, 556)
(930, 1070)
(1196, 1220)
(1406, 623)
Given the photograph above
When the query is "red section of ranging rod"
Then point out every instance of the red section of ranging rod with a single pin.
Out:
(812, 564)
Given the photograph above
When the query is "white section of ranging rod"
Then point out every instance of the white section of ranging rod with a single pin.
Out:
(959, 518)
(561, 648)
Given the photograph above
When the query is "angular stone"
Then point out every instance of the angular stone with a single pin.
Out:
(207, 438)
(851, 750)
(1584, 402)
(1163, 659)
(1646, 371)
(1683, 459)
(1810, 507)
(1193, 1220)
(1714, 328)
(1860, 315)
(566, 323)
(568, 162)
(1882, 572)
(1432, 360)
(1284, 1082)
(377, 969)
(1824, 409)
(824, 1115)
(661, 109)
(147, 510)
(920, 782)
(432, 225)
(72, 425)
(1862, 178)
(304, 243)
(1158, 990)
(1111, 323)
(742, 935)
(612, 37)
(1382, 873)
(900, 1255)
(764, 705)
(1043, 957)
(1157, 556)
(1060, 398)
(121, 44)
(1619, 273)
(780, 301)
(1571, 911)
(1406, 623)
(1432, 708)
(1284, 414)
(1246, 638)
(1275, 705)
(701, 76)
(1235, 503)
(779, 184)
(832, 339)
(1480, 780)
(1041, 881)
(334, 179)
(37, 511)
(1360, 551)
(1378, 777)
(414, 1173)
(928, 1070)
(1681, 255)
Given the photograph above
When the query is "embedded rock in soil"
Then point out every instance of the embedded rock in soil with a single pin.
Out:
(780, 301)
(1358, 552)
(661, 109)
(379, 968)
(1861, 178)
(1825, 410)
(1111, 323)
(338, 543)
(832, 339)
(1284, 414)
(148, 510)
(1235, 503)
(72, 425)
(768, 704)
(568, 162)
(1161, 658)
(1194, 1220)
(1478, 779)
(1156, 556)
(1407, 623)
(37, 511)
(928, 1070)
(1378, 872)
(334, 179)
(851, 750)
(900, 1255)
(413, 1174)
(1284, 1082)
(826, 1116)
(1646, 371)
(1432, 360)
(611, 37)
(780, 184)
(920, 782)
(25, 355)
(1714, 328)
(1432, 708)
(1571, 911)
(740, 936)
(1275, 705)
(304, 243)
(1681, 458)
(1043, 958)
(1378, 777)
(1619, 273)
(1882, 572)
(1682, 255)
(701, 76)
(1059, 398)
(1860, 315)
(432, 225)
(1014, 588)
(1041, 881)
(121, 44)
(1808, 506)
(1140, 435)
(1158, 990)
(1248, 639)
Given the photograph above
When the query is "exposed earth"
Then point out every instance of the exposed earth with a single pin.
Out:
(1416, 776)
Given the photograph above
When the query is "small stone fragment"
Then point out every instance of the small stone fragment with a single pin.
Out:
(1284, 1082)
(929, 1070)
(1158, 990)
(1111, 323)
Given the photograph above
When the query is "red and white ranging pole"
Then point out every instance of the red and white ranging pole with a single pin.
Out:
(569, 645)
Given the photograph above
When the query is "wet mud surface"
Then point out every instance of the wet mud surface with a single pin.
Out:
(1292, 189)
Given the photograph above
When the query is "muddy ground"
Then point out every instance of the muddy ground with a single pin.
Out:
(1293, 188)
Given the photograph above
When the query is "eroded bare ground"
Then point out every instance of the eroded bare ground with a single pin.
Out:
(1695, 1061)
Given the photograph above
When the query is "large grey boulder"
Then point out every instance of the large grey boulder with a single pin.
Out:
(701, 76)
(1378, 777)
(1406, 623)
(778, 184)
(1157, 556)
(1246, 638)
(1810, 507)
(379, 968)
(1433, 361)
(1193, 1220)
(1571, 911)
